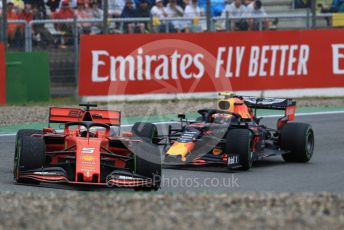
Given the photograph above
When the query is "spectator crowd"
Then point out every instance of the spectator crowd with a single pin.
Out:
(185, 15)
(29, 10)
(167, 16)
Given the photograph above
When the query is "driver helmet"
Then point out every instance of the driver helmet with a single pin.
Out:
(92, 131)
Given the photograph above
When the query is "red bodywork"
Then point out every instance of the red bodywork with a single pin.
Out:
(85, 153)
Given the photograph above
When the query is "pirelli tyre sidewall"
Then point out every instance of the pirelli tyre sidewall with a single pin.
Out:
(238, 141)
(298, 140)
(18, 142)
(29, 154)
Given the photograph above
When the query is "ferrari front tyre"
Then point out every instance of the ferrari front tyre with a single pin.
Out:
(29, 156)
(238, 141)
(298, 139)
(26, 133)
(20, 134)
(147, 163)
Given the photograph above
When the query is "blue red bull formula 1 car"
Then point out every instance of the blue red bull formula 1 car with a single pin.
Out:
(232, 135)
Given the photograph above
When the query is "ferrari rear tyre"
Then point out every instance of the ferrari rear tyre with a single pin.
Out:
(147, 156)
(298, 138)
(147, 163)
(29, 155)
(238, 141)
(145, 130)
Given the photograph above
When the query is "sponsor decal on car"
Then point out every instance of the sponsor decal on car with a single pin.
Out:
(87, 158)
(233, 159)
(87, 150)
(75, 113)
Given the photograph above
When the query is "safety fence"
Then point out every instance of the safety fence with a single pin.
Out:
(40, 33)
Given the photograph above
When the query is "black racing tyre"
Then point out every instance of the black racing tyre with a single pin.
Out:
(26, 132)
(145, 130)
(147, 163)
(238, 141)
(29, 155)
(298, 138)
(20, 134)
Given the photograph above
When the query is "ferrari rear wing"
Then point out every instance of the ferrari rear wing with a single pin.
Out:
(64, 115)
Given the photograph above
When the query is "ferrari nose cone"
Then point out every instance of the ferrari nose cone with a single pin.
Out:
(88, 160)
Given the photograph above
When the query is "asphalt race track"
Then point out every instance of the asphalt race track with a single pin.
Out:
(325, 172)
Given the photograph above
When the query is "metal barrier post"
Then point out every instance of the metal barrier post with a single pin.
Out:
(28, 37)
(4, 21)
(213, 22)
(208, 14)
(105, 17)
(227, 21)
(314, 11)
(121, 26)
(167, 26)
(151, 24)
(76, 53)
(2, 35)
(308, 18)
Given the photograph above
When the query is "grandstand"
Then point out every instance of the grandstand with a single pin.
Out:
(287, 7)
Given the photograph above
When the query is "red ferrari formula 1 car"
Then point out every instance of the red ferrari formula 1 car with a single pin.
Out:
(232, 135)
(88, 151)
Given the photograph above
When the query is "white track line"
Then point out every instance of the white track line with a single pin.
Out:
(157, 123)
(272, 116)
(7, 135)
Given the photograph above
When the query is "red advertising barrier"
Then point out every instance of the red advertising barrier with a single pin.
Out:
(2, 75)
(208, 62)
